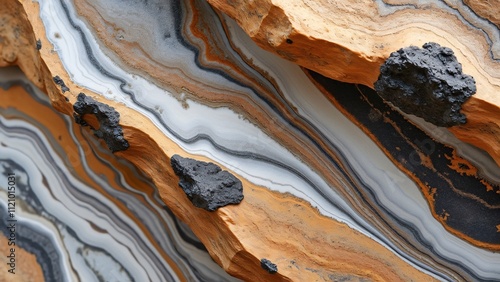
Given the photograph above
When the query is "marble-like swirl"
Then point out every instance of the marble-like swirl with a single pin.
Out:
(199, 78)
(85, 214)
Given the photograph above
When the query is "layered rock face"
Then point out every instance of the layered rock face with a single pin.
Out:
(169, 146)
(81, 213)
(349, 42)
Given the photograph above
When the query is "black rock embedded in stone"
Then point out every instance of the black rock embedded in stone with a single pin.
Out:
(426, 82)
(206, 185)
(38, 44)
(109, 128)
(268, 266)
(60, 82)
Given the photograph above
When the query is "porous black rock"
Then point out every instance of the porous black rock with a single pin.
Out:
(61, 83)
(427, 82)
(205, 184)
(109, 128)
(268, 266)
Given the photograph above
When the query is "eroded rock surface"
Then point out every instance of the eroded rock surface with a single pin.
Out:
(187, 81)
(60, 82)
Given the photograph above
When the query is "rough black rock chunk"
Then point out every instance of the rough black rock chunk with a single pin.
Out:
(426, 82)
(60, 82)
(109, 128)
(206, 185)
(38, 44)
(268, 266)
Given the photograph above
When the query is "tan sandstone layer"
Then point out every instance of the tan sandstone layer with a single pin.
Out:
(289, 232)
(350, 40)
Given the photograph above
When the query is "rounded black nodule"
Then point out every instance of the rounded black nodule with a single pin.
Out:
(427, 82)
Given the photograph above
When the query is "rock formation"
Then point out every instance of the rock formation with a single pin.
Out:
(337, 184)
(349, 42)
(82, 205)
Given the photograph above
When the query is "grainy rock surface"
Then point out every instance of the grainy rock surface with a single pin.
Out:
(206, 185)
(427, 82)
(109, 128)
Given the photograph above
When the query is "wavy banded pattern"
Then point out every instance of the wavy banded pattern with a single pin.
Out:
(85, 214)
(199, 78)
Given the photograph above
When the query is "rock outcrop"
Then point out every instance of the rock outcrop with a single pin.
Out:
(349, 42)
(322, 201)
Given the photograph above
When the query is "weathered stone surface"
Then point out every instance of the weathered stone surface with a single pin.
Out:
(109, 128)
(279, 227)
(206, 185)
(486, 9)
(26, 269)
(228, 234)
(427, 82)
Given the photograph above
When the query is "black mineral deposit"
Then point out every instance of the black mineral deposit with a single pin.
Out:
(109, 128)
(268, 266)
(60, 82)
(427, 82)
(206, 185)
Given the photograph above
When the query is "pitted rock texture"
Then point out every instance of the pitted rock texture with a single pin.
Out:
(268, 266)
(206, 185)
(109, 128)
(427, 82)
